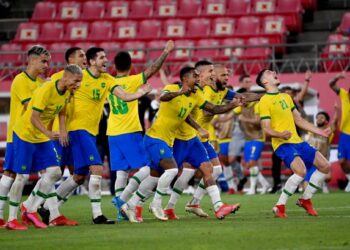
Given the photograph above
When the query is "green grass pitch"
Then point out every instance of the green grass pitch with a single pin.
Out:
(252, 227)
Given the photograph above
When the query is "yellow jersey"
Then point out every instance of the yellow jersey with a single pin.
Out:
(345, 111)
(22, 89)
(173, 113)
(88, 101)
(55, 77)
(49, 101)
(278, 107)
(124, 116)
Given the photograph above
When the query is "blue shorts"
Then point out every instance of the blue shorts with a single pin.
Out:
(9, 157)
(191, 151)
(210, 150)
(64, 154)
(33, 157)
(127, 151)
(84, 151)
(224, 148)
(288, 151)
(309, 172)
(157, 150)
(252, 150)
(344, 146)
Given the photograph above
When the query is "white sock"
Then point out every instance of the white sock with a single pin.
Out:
(120, 182)
(5, 185)
(254, 171)
(262, 180)
(29, 200)
(228, 173)
(16, 195)
(144, 192)
(217, 171)
(348, 177)
(179, 186)
(163, 185)
(52, 204)
(134, 182)
(65, 189)
(214, 194)
(315, 183)
(289, 188)
(95, 195)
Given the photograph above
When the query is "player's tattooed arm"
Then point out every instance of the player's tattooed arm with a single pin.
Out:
(335, 121)
(266, 126)
(202, 132)
(249, 96)
(63, 131)
(167, 96)
(220, 109)
(35, 120)
(334, 80)
(128, 97)
(155, 67)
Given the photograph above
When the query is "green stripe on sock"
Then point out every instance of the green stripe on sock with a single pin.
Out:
(314, 186)
(217, 202)
(178, 191)
(95, 200)
(136, 179)
(61, 198)
(201, 186)
(14, 204)
(3, 198)
(119, 190)
(33, 193)
(287, 193)
(42, 195)
(51, 195)
(162, 194)
(253, 175)
(140, 195)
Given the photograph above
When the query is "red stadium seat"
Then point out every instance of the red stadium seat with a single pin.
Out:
(263, 6)
(117, 9)
(258, 55)
(214, 7)
(309, 4)
(248, 26)
(27, 46)
(182, 53)
(232, 50)
(149, 29)
(101, 30)
(27, 32)
(77, 31)
(223, 27)
(210, 53)
(57, 51)
(110, 46)
(44, 11)
(136, 50)
(174, 28)
(345, 23)
(158, 49)
(141, 9)
(292, 11)
(198, 28)
(51, 32)
(3, 129)
(93, 10)
(165, 8)
(238, 8)
(335, 57)
(189, 8)
(85, 45)
(12, 55)
(125, 30)
(68, 10)
(275, 28)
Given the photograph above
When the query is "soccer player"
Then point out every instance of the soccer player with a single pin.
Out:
(83, 127)
(344, 139)
(124, 129)
(177, 102)
(22, 89)
(34, 149)
(279, 118)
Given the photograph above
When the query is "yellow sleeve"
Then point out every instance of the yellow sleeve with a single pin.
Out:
(290, 102)
(171, 88)
(201, 100)
(256, 108)
(237, 110)
(136, 81)
(111, 82)
(264, 109)
(40, 99)
(342, 93)
(21, 90)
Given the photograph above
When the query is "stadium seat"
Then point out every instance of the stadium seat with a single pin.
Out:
(275, 28)
(309, 4)
(141, 9)
(44, 11)
(214, 7)
(258, 55)
(68, 10)
(238, 8)
(345, 23)
(92, 10)
(149, 29)
(117, 9)
(182, 53)
(85, 45)
(174, 28)
(209, 53)
(110, 47)
(232, 50)
(125, 30)
(27, 32)
(158, 46)
(57, 51)
(292, 11)
(263, 6)
(3, 129)
(198, 28)
(12, 55)
(189, 8)
(27, 46)
(165, 8)
(51, 32)
(335, 57)
(248, 26)
(77, 31)
(101, 30)
(136, 51)
(223, 27)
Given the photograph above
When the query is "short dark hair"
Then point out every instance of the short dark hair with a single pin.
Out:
(286, 88)
(242, 90)
(38, 50)
(70, 52)
(241, 77)
(202, 63)
(259, 78)
(185, 71)
(91, 53)
(325, 115)
(122, 61)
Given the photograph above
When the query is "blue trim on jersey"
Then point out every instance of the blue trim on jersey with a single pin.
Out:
(230, 95)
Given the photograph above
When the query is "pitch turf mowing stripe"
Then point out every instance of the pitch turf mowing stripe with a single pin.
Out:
(136, 179)
(287, 193)
(160, 193)
(14, 204)
(178, 191)
(3, 198)
(314, 186)
(95, 200)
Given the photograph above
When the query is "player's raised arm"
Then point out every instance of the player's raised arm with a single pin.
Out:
(249, 96)
(334, 80)
(335, 121)
(301, 95)
(155, 67)
(202, 132)
(128, 97)
(167, 96)
(220, 109)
